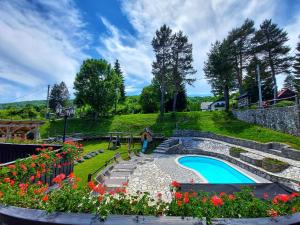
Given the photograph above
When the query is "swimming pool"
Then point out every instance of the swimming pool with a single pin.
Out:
(214, 170)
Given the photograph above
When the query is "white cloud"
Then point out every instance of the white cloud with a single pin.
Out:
(41, 42)
(203, 21)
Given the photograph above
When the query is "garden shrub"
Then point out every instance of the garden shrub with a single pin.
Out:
(274, 165)
(284, 103)
(235, 152)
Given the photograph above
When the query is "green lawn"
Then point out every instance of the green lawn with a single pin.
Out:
(90, 165)
(217, 122)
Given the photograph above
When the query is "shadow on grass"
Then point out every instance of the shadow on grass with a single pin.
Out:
(226, 122)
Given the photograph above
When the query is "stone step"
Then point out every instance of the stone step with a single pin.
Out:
(275, 151)
(159, 151)
(115, 182)
(120, 174)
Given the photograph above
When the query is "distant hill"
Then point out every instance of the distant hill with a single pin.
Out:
(22, 104)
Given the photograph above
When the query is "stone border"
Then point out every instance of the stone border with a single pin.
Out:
(12, 215)
(274, 148)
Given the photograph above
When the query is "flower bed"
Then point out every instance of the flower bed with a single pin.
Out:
(235, 152)
(274, 165)
(21, 186)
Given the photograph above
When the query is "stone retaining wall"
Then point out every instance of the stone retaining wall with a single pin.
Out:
(272, 148)
(284, 119)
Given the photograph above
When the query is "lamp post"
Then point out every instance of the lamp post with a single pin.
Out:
(64, 112)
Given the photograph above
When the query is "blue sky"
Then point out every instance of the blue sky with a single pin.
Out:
(44, 41)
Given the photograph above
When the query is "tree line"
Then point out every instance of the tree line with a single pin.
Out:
(231, 63)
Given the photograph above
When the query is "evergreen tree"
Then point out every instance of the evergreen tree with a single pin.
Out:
(270, 42)
(296, 67)
(59, 95)
(290, 82)
(119, 72)
(181, 103)
(250, 83)
(240, 43)
(182, 68)
(218, 70)
(162, 45)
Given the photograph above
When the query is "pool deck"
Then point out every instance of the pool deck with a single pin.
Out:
(156, 176)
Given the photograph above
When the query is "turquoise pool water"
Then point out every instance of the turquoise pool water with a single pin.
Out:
(214, 171)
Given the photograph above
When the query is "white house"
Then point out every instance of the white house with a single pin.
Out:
(218, 105)
(205, 106)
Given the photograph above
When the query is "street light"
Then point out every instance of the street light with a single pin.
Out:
(64, 112)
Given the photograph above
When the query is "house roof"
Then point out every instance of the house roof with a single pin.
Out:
(285, 92)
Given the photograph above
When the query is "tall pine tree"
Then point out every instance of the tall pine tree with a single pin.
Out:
(119, 72)
(59, 95)
(162, 44)
(182, 68)
(296, 67)
(218, 70)
(270, 42)
(240, 43)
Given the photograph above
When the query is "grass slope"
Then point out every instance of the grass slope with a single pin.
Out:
(217, 122)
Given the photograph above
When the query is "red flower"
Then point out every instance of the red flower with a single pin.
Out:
(294, 194)
(294, 210)
(23, 167)
(12, 182)
(45, 198)
(112, 192)
(186, 198)
(204, 199)
(11, 167)
(125, 184)
(193, 194)
(32, 165)
(1, 194)
(100, 198)
(272, 213)
(179, 203)
(175, 184)
(31, 179)
(59, 178)
(38, 174)
(50, 148)
(216, 201)
(71, 175)
(222, 194)
(34, 157)
(281, 197)
(6, 179)
(266, 195)
(178, 195)
(91, 185)
(231, 197)
(74, 186)
(39, 183)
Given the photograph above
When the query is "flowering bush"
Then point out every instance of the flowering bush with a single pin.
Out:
(31, 169)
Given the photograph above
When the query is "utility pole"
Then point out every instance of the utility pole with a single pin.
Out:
(47, 110)
(259, 85)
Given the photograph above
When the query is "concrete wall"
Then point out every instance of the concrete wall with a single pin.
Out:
(285, 119)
